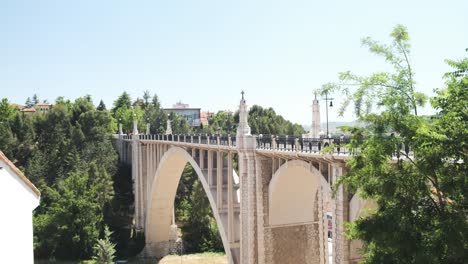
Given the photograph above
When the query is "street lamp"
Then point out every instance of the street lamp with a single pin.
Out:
(326, 107)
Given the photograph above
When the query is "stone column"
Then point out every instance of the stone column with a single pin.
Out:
(246, 145)
(264, 172)
(136, 176)
(340, 216)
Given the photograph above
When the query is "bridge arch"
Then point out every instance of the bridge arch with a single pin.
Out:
(158, 231)
(293, 192)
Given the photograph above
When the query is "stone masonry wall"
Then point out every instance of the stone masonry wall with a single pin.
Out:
(292, 244)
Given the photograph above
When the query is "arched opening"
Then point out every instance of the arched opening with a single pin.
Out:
(292, 194)
(159, 231)
(297, 214)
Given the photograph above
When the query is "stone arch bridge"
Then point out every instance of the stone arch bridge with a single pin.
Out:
(271, 197)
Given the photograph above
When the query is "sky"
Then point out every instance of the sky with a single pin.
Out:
(204, 53)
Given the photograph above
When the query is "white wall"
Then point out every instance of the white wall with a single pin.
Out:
(17, 201)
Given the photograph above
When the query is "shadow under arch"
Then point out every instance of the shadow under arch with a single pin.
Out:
(292, 193)
(161, 198)
(298, 229)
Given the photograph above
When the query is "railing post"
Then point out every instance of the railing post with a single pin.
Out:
(199, 139)
(208, 139)
(229, 140)
(218, 140)
(296, 143)
(273, 142)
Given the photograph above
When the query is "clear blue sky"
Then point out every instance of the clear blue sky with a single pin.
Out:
(205, 52)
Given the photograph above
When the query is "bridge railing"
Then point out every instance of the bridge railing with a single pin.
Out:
(300, 144)
(205, 139)
(334, 145)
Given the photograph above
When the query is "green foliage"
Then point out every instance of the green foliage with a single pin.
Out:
(104, 249)
(101, 106)
(178, 124)
(221, 123)
(154, 114)
(266, 121)
(68, 227)
(68, 153)
(6, 111)
(123, 101)
(388, 90)
(195, 217)
(421, 198)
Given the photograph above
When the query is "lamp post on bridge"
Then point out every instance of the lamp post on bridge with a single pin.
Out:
(326, 109)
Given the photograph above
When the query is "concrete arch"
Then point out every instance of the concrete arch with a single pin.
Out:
(292, 194)
(161, 201)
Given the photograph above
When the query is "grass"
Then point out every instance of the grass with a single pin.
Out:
(201, 258)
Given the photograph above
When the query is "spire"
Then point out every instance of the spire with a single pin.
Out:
(243, 129)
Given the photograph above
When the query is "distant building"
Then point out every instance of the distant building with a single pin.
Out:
(17, 106)
(42, 107)
(18, 198)
(28, 111)
(205, 117)
(191, 115)
(37, 108)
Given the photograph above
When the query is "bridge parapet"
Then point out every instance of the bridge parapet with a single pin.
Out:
(336, 146)
(204, 139)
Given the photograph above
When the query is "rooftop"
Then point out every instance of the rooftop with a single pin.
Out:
(19, 174)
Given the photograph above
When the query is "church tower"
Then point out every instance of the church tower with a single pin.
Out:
(315, 128)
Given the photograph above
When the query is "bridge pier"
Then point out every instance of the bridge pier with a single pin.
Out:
(162, 248)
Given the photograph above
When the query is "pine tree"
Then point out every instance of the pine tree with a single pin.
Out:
(104, 249)
(101, 106)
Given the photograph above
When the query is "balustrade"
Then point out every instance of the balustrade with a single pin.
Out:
(334, 145)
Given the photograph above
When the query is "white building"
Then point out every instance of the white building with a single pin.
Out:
(18, 198)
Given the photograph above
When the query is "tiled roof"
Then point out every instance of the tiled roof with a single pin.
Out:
(43, 104)
(28, 110)
(19, 173)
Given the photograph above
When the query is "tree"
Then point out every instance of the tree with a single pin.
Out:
(266, 121)
(6, 111)
(28, 102)
(126, 116)
(123, 100)
(101, 106)
(35, 99)
(194, 215)
(146, 98)
(104, 249)
(69, 226)
(178, 124)
(421, 204)
(7, 140)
